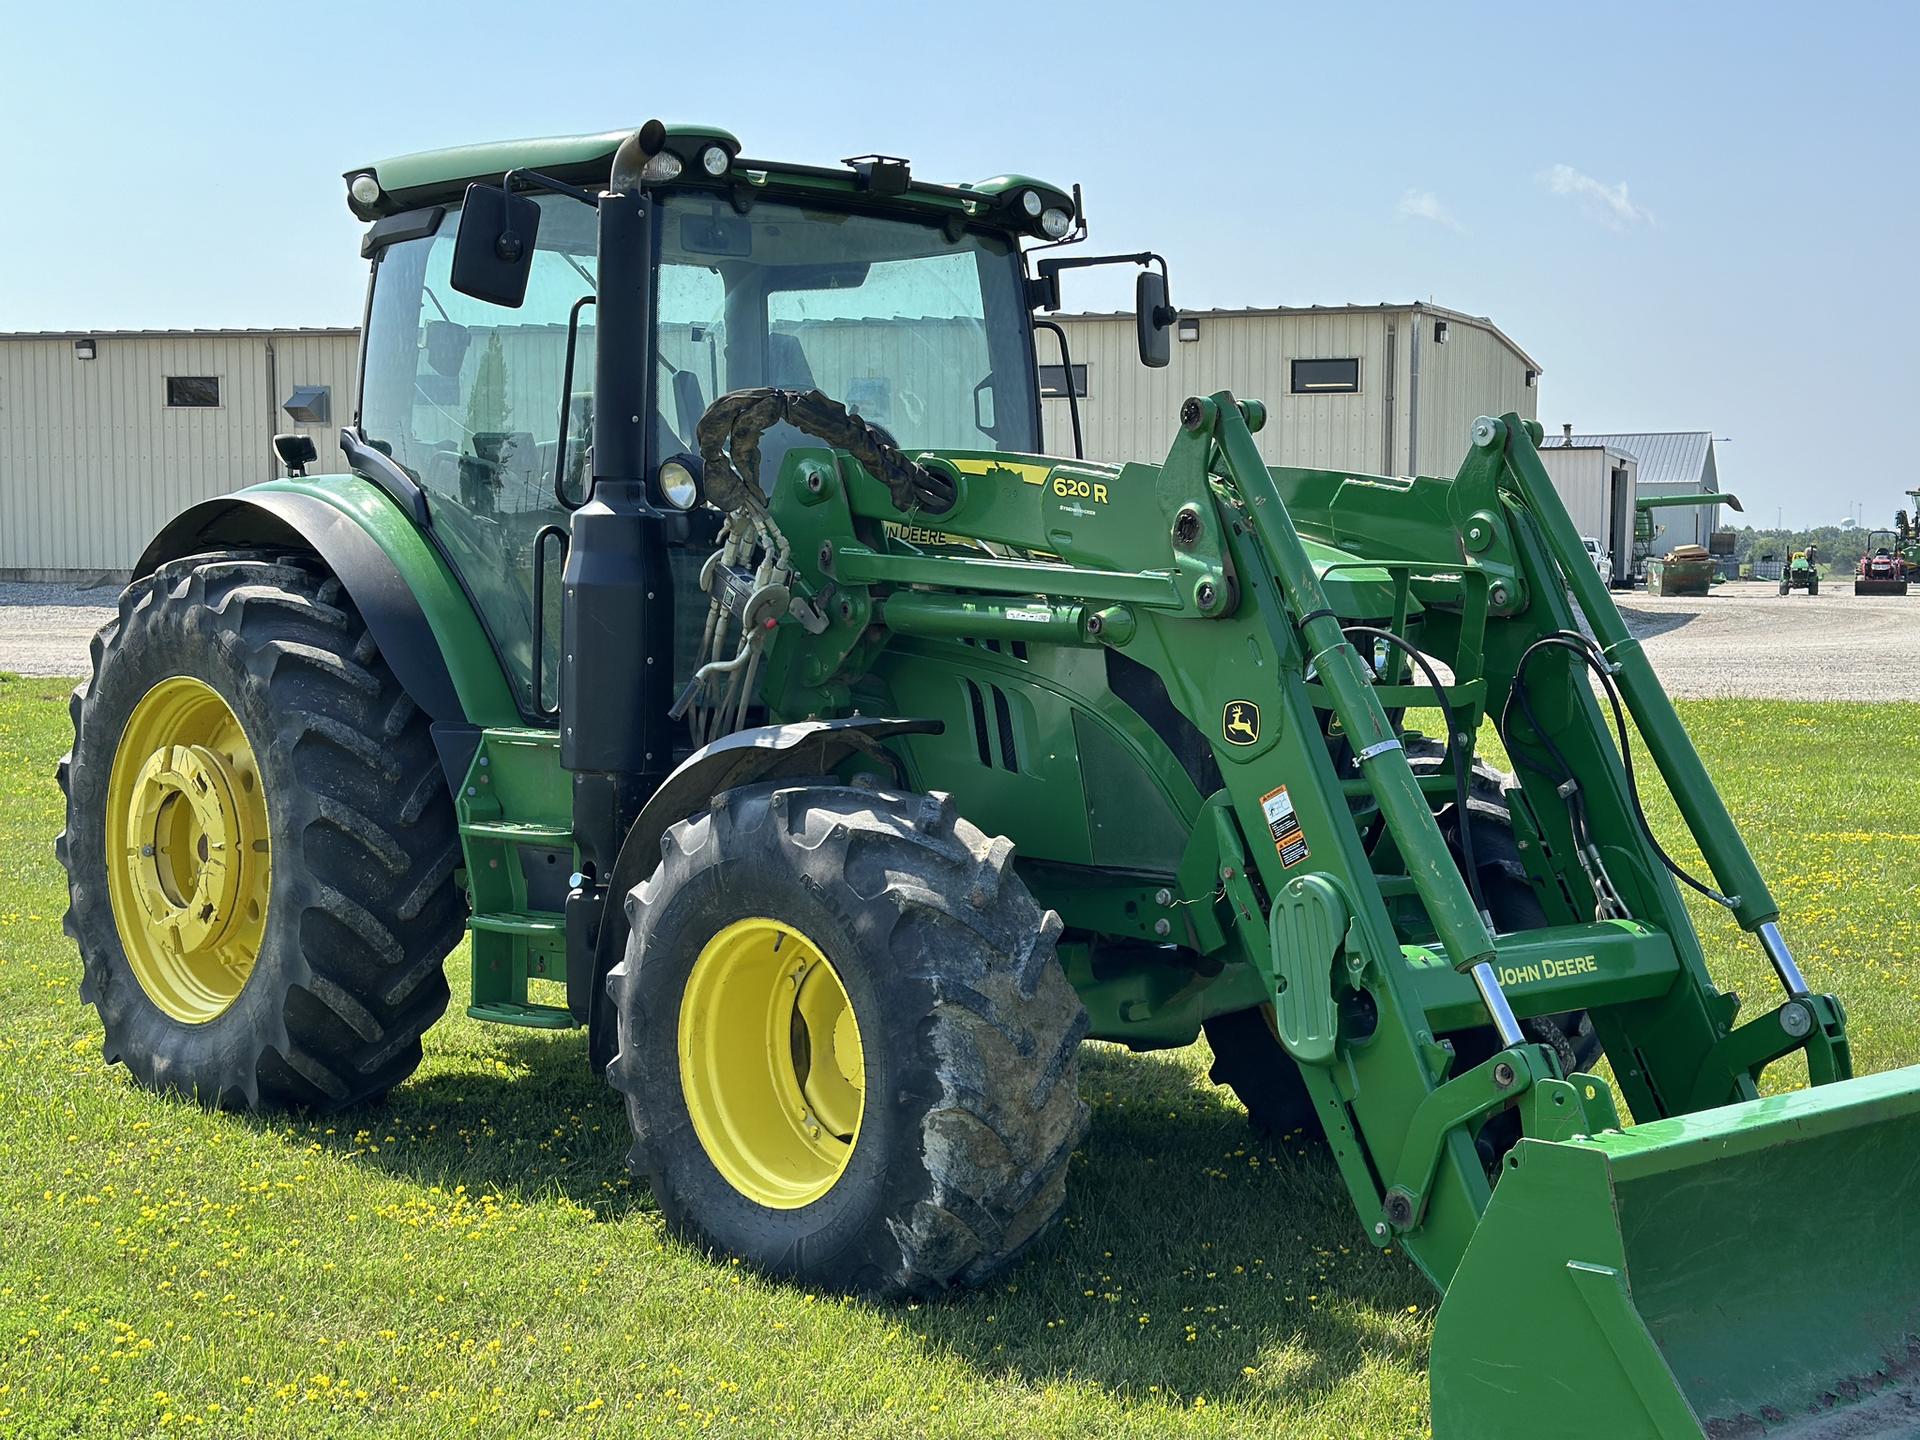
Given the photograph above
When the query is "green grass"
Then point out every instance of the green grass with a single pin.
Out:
(469, 1257)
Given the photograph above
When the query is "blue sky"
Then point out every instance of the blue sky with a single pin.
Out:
(1694, 217)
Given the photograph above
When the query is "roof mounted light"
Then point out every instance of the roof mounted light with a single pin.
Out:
(661, 168)
(714, 160)
(1031, 202)
(364, 189)
(1055, 222)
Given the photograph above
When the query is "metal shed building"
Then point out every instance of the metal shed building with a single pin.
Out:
(1671, 462)
(1381, 389)
(1598, 484)
(106, 434)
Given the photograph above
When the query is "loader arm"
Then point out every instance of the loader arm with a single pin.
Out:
(1319, 863)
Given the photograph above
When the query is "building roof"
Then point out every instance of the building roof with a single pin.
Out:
(1667, 457)
(1424, 306)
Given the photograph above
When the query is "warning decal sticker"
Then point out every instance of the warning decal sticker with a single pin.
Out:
(1288, 838)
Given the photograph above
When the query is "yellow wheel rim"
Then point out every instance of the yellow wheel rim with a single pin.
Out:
(771, 1064)
(188, 863)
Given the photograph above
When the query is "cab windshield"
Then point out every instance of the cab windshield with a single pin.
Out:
(919, 333)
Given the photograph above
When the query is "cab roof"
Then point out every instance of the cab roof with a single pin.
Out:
(438, 176)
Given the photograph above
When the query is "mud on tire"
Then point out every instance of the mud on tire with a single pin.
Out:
(969, 1027)
(363, 907)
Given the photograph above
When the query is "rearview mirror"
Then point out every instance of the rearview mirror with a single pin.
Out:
(983, 420)
(493, 252)
(716, 234)
(296, 452)
(1153, 318)
(446, 344)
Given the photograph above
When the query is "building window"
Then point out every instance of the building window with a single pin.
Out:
(1053, 381)
(1326, 377)
(193, 392)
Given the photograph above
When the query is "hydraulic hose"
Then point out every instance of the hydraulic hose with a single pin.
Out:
(1589, 654)
(1459, 762)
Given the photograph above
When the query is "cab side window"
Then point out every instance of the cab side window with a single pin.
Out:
(465, 396)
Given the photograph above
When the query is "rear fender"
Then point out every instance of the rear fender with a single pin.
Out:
(413, 605)
(766, 752)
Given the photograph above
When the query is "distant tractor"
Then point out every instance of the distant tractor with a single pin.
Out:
(1883, 568)
(1802, 572)
(1906, 524)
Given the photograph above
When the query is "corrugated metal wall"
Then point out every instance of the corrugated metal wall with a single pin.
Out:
(1130, 412)
(92, 460)
(1475, 373)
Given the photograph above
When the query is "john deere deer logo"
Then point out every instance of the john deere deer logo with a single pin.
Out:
(1240, 724)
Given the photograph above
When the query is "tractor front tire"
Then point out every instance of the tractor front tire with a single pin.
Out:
(259, 847)
(848, 1051)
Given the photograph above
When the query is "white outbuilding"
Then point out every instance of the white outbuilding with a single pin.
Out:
(105, 435)
(1670, 462)
(1377, 389)
(1598, 484)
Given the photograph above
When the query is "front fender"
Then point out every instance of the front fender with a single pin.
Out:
(766, 752)
(414, 606)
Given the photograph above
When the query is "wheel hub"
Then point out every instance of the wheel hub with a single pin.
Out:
(771, 1064)
(188, 860)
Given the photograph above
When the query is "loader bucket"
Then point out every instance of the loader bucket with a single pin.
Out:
(1742, 1272)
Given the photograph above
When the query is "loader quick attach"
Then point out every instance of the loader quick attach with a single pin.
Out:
(841, 759)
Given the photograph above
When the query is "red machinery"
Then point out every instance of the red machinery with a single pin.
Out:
(1882, 570)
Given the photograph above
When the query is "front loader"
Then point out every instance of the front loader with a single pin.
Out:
(773, 705)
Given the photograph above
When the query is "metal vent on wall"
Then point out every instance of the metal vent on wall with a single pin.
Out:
(310, 404)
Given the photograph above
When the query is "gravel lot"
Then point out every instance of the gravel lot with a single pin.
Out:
(1745, 639)
(45, 629)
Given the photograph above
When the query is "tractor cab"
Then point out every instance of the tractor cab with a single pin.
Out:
(908, 303)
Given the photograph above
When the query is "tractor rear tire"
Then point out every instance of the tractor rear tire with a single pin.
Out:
(933, 1149)
(1249, 1060)
(259, 846)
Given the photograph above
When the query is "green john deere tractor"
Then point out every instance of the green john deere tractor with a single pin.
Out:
(699, 624)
